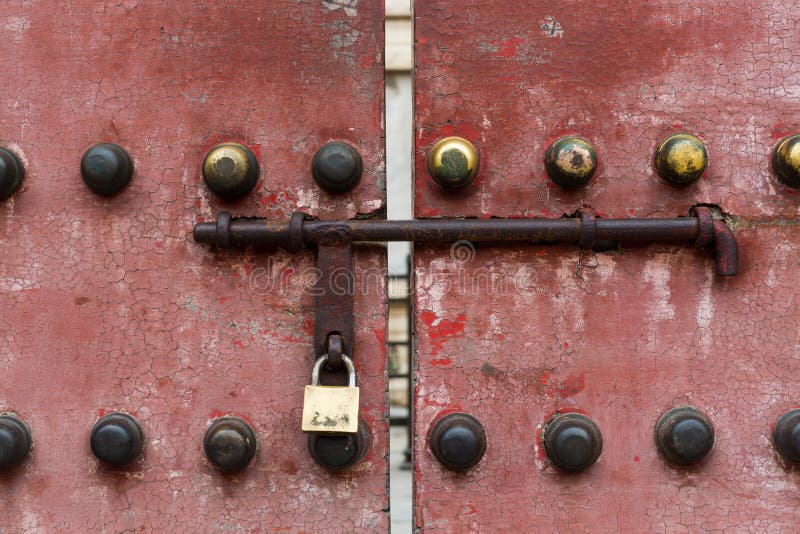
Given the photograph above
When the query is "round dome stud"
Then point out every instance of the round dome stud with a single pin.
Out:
(230, 170)
(11, 173)
(453, 162)
(572, 441)
(786, 436)
(337, 452)
(15, 441)
(571, 162)
(458, 441)
(786, 160)
(117, 439)
(337, 167)
(106, 168)
(684, 435)
(681, 159)
(230, 443)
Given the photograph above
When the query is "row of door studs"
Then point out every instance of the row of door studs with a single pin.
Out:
(571, 161)
(117, 439)
(572, 441)
(230, 443)
(231, 170)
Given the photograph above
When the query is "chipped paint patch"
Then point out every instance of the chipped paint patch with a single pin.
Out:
(307, 199)
(657, 274)
(522, 48)
(350, 7)
(562, 388)
(343, 42)
(441, 330)
(551, 28)
(345, 39)
(17, 26)
(570, 314)
(704, 314)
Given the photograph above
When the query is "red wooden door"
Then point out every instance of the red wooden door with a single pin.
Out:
(107, 304)
(516, 335)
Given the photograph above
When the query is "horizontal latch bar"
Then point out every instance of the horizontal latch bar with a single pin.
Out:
(700, 228)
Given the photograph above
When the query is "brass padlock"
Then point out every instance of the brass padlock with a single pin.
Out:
(331, 409)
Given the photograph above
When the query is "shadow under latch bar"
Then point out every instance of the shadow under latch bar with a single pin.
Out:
(699, 228)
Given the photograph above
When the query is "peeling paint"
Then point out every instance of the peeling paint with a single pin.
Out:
(350, 7)
(17, 27)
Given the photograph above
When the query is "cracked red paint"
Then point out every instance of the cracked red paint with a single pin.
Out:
(508, 47)
(109, 303)
(380, 335)
(625, 334)
(440, 330)
(568, 387)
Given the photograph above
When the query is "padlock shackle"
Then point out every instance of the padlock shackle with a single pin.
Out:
(348, 363)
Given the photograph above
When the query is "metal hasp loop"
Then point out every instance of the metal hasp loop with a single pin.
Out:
(333, 321)
(699, 228)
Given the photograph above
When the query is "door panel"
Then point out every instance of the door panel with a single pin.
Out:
(514, 335)
(108, 304)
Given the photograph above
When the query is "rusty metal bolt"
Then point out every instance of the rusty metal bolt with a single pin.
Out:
(786, 436)
(230, 443)
(684, 435)
(786, 160)
(15, 441)
(571, 162)
(453, 162)
(681, 159)
(106, 168)
(117, 439)
(337, 167)
(572, 441)
(11, 173)
(336, 452)
(458, 441)
(230, 170)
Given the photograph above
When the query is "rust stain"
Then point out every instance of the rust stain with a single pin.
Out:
(290, 468)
